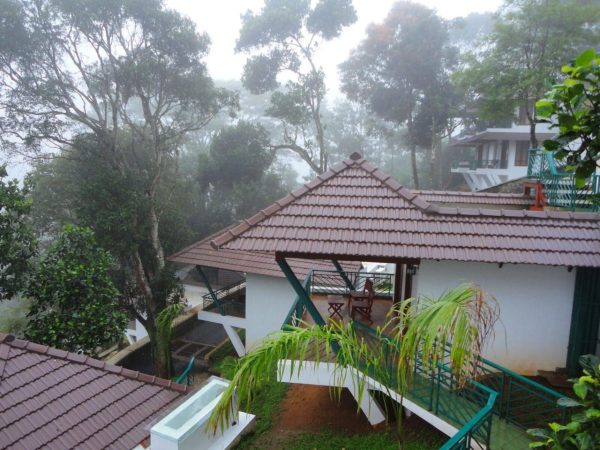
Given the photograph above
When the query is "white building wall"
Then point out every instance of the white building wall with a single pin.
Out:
(268, 300)
(535, 308)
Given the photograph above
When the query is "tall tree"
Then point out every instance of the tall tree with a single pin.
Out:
(284, 37)
(235, 177)
(72, 66)
(17, 243)
(75, 305)
(398, 71)
(523, 55)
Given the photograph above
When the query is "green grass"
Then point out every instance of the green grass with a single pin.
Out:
(385, 440)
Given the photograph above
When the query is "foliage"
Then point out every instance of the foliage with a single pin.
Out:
(17, 243)
(530, 42)
(583, 431)
(284, 37)
(574, 108)
(164, 331)
(235, 177)
(75, 305)
(400, 73)
(71, 68)
(461, 315)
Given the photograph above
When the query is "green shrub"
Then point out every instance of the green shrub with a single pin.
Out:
(582, 432)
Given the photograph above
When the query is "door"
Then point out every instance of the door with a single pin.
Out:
(585, 319)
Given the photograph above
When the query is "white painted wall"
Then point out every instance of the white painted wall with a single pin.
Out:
(268, 300)
(535, 308)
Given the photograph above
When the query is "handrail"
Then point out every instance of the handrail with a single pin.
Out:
(522, 378)
(186, 371)
(332, 282)
(215, 297)
(560, 187)
(464, 433)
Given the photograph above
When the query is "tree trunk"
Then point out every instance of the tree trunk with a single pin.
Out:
(413, 152)
(533, 142)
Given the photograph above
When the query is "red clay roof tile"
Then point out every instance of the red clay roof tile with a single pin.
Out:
(57, 400)
(357, 210)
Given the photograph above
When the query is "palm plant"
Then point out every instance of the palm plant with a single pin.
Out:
(452, 328)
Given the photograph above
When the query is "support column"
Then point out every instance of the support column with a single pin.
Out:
(299, 289)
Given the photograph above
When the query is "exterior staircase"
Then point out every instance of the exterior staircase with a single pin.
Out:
(559, 188)
(492, 411)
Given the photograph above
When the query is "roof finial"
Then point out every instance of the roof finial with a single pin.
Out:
(355, 156)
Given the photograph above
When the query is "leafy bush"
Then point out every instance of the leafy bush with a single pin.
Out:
(582, 432)
(75, 305)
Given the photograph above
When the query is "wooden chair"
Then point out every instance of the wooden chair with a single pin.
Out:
(362, 301)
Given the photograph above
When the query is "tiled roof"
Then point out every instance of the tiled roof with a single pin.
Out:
(355, 209)
(203, 254)
(492, 200)
(53, 399)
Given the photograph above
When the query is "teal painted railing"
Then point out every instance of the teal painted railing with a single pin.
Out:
(331, 282)
(521, 401)
(468, 406)
(559, 186)
(225, 300)
(186, 376)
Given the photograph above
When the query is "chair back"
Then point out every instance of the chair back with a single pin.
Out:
(369, 289)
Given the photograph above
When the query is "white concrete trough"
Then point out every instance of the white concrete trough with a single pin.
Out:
(185, 428)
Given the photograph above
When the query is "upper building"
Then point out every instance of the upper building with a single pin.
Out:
(499, 155)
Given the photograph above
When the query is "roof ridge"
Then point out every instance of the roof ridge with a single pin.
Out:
(244, 224)
(78, 358)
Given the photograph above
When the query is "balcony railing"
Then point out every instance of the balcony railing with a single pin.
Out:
(480, 164)
(560, 188)
(229, 300)
(332, 282)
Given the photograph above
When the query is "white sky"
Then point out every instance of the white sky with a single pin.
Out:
(221, 20)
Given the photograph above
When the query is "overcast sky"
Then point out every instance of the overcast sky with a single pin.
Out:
(221, 20)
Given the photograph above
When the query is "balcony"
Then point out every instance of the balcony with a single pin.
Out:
(472, 165)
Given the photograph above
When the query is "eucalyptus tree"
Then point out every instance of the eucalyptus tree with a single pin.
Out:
(283, 38)
(400, 72)
(523, 55)
(453, 328)
(69, 67)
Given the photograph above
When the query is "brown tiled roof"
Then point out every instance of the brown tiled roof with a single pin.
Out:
(58, 400)
(356, 209)
(203, 254)
(496, 200)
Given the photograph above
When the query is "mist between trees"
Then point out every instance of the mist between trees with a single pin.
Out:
(129, 135)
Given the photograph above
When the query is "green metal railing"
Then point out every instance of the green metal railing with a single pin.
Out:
(521, 401)
(332, 282)
(560, 188)
(468, 406)
(227, 299)
(186, 376)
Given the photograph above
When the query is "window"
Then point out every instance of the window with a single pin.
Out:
(522, 153)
